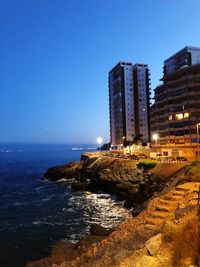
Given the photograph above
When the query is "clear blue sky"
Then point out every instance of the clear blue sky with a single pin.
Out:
(55, 57)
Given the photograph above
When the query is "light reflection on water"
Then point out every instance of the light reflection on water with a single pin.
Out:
(35, 214)
(100, 209)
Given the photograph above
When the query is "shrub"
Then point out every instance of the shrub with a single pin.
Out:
(192, 173)
(146, 164)
(183, 238)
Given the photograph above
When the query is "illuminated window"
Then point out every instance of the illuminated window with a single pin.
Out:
(170, 117)
(179, 117)
(186, 115)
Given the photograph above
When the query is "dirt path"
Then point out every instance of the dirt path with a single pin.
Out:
(167, 169)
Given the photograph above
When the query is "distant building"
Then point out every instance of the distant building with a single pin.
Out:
(129, 103)
(176, 111)
(184, 58)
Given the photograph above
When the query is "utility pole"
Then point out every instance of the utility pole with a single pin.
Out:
(198, 219)
(198, 141)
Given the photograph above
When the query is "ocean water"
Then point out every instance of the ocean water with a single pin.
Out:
(35, 214)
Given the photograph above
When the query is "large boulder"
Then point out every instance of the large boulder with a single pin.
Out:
(99, 230)
(147, 261)
(154, 244)
(67, 171)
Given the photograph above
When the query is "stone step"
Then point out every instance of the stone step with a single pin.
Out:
(171, 198)
(190, 186)
(164, 207)
(182, 189)
(151, 227)
(194, 198)
(159, 215)
(168, 202)
(154, 221)
(177, 194)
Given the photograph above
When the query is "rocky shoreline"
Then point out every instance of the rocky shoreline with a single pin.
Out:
(126, 178)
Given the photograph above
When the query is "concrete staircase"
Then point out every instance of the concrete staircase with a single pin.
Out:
(165, 206)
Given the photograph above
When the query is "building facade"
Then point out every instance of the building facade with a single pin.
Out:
(128, 103)
(184, 58)
(176, 111)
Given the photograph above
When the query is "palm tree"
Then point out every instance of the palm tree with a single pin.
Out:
(138, 139)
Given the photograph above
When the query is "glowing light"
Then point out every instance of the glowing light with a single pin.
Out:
(170, 117)
(186, 115)
(155, 136)
(179, 117)
(99, 140)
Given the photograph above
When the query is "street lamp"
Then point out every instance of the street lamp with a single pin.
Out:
(99, 142)
(198, 124)
(123, 139)
(122, 145)
(155, 138)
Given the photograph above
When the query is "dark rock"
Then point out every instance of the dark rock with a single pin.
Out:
(67, 171)
(86, 242)
(114, 175)
(99, 230)
(135, 212)
(63, 251)
(105, 146)
(80, 186)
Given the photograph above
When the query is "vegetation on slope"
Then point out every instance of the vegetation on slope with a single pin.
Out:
(192, 173)
(147, 164)
(183, 239)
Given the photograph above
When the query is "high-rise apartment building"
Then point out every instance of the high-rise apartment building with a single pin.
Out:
(184, 58)
(129, 103)
(176, 111)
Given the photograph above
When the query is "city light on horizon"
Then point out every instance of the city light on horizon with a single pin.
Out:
(99, 140)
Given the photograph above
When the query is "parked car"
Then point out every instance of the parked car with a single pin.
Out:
(133, 157)
(122, 157)
(181, 158)
(154, 155)
(142, 156)
(169, 158)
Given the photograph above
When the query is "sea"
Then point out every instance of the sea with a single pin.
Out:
(36, 213)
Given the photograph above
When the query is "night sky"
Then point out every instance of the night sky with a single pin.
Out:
(55, 56)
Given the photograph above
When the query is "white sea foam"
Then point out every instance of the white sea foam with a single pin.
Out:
(19, 203)
(46, 199)
(48, 223)
(73, 238)
(61, 180)
(39, 187)
(77, 148)
(49, 197)
(36, 222)
(10, 150)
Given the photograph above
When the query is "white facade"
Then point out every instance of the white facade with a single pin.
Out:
(115, 112)
(129, 102)
(195, 55)
(143, 101)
